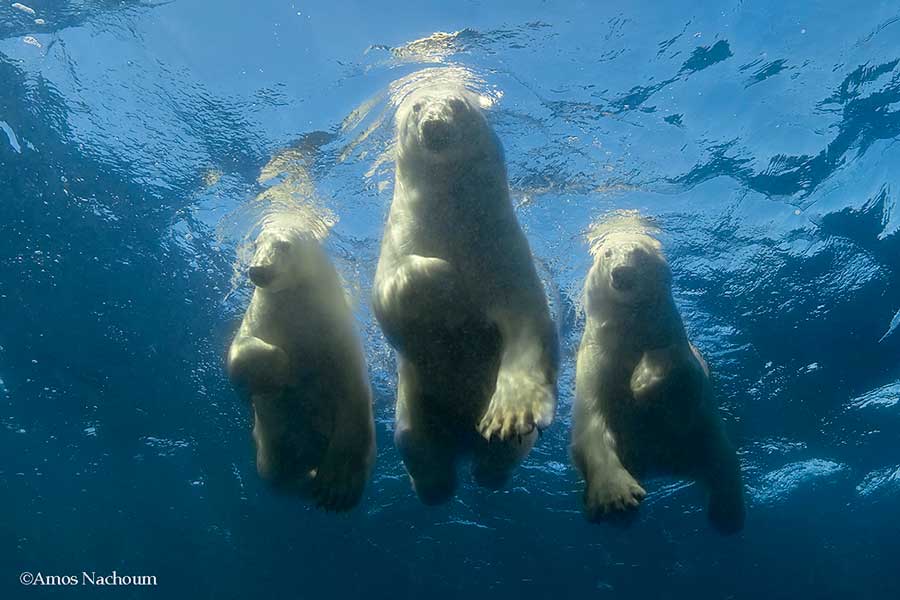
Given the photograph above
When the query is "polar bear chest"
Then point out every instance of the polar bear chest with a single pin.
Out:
(305, 326)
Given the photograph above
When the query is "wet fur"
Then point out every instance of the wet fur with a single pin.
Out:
(457, 294)
(644, 402)
(298, 359)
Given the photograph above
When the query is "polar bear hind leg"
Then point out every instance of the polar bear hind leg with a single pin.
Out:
(429, 462)
(288, 448)
(722, 478)
(494, 461)
(428, 452)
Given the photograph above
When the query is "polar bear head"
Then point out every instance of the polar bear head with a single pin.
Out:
(629, 268)
(283, 258)
(442, 125)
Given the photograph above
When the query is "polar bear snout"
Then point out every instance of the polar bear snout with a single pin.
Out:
(436, 134)
(262, 275)
(625, 265)
(439, 121)
(632, 268)
(269, 261)
(624, 278)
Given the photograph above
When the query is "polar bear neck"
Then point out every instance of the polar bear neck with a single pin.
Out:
(478, 183)
(319, 285)
(637, 326)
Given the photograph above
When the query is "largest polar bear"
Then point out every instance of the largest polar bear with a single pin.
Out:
(457, 294)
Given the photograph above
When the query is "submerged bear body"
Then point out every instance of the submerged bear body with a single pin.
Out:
(457, 294)
(644, 403)
(298, 357)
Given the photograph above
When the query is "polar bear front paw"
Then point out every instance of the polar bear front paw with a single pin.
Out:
(647, 376)
(608, 495)
(338, 483)
(520, 404)
(258, 365)
(418, 285)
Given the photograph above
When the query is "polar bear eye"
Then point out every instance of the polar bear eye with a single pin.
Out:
(608, 254)
(417, 107)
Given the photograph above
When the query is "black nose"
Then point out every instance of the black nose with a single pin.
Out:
(435, 134)
(624, 278)
(261, 276)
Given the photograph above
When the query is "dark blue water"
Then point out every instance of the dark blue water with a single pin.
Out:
(762, 136)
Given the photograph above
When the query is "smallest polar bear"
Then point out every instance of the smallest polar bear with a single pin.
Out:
(298, 356)
(643, 400)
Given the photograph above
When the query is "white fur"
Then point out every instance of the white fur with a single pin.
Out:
(454, 265)
(298, 356)
(643, 397)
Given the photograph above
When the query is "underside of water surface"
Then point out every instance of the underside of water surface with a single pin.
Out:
(143, 144)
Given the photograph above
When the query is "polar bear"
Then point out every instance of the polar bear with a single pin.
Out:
(298, 356)
(457, 294)
(643, 399)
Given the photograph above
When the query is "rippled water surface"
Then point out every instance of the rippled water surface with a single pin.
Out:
(140, 143)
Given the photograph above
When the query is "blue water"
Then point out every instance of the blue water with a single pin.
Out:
(761, 136)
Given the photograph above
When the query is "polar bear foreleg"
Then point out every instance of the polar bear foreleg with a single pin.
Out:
(609, 488)
(416, 292)
(257, 365)
(347, 462)
(524, 397)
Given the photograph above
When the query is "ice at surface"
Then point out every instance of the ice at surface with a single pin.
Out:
(761, 137)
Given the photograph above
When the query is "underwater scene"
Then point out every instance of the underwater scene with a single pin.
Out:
(450, 299)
